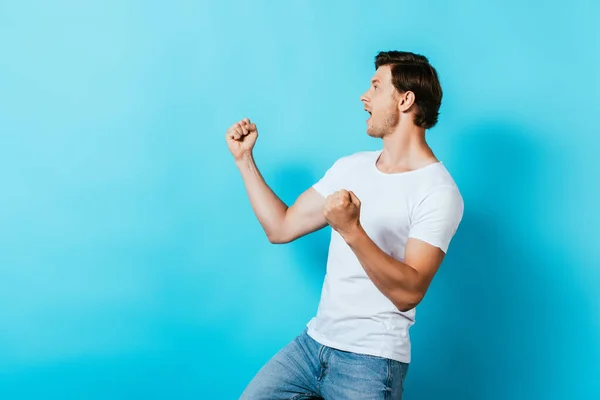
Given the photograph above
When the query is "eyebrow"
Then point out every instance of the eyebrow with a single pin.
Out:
(374, 80)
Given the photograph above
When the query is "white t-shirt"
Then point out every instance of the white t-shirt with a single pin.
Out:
(353, 314)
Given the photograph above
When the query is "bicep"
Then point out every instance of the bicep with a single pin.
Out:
(304, 216)
(435, 223)
(425, 259)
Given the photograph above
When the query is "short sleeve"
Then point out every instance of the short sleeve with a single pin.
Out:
(331, 181)
(437, 217)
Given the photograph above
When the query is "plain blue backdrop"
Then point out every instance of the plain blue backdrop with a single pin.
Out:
(132, 266)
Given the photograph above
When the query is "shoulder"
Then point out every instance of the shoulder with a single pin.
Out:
(439, 189)
(336, 176)
(355, 158)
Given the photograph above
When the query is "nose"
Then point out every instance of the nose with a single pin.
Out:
(364, 98)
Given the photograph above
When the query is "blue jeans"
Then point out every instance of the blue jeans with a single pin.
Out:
(305, 369)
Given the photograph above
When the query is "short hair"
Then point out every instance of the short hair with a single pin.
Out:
(413, 72)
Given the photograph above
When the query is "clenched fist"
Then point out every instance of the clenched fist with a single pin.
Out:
(342, 211)
(241, 138)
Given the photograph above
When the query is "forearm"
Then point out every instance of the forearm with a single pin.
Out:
(269, 208)
(397, 281)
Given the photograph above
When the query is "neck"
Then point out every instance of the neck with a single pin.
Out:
(405, 149)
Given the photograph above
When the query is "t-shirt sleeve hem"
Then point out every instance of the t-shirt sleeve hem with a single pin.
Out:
(433, 242)
(321, 189)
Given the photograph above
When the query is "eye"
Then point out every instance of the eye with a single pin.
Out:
(375, 87)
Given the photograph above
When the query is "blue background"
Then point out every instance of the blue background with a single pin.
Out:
(132, 266)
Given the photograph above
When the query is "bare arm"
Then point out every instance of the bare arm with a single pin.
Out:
(281, 223)
(403, 282)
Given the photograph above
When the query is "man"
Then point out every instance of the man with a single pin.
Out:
(392, 212)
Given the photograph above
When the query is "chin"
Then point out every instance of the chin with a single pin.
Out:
(374, 133)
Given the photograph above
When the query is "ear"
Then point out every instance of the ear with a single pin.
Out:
(405, 101)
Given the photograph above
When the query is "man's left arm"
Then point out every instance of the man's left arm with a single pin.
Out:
(403, 282)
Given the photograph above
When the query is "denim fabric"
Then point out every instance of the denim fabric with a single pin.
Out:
(305, 369)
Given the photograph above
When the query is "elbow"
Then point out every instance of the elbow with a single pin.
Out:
(405, 307)
(408, 302)
(277, 238)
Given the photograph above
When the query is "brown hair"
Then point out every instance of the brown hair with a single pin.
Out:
(412, 72)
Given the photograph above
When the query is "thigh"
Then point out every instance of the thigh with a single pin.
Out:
(357, 376)
(289, 374)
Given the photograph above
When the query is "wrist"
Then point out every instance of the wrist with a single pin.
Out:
(354, 234)
(244, 159)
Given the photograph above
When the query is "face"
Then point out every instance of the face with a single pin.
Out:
(381, 101)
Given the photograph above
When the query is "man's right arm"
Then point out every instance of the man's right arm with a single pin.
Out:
(281, 223)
